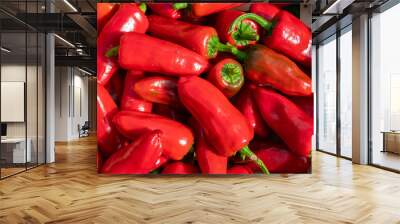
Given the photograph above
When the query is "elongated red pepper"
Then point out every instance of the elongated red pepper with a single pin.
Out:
(104, 12)
(130, 100)
(108, 138)
(158, 89)
(245, 33)
(115, 89)
(240, 169)
(225, 128)
(128, 18)
(286, 119)
(177, 138)
(171, 112)
(201, 39)
(172, 59)
(170, 10)
(266, 10)
(204, 9)
(267, 67)
(140, 157)
(179, 168)
(227, 76)
(249, 109)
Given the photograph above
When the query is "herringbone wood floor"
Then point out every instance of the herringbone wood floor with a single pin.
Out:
(70, 191)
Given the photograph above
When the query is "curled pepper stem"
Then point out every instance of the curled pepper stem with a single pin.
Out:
(113, 52)
(181, 5)
(143, 7)
(214, 46)
(256, 18)
(245, 151)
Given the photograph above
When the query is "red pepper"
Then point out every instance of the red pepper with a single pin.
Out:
(99, 160)
(227, 76)
(104, 12)
(249, 109)
(171, 112)
(140, 157)
(267, 67)
(267, 10)
(306, 103)
(179, 168)
(239, 169)
(286, 119)
(205, 9)
(245, 33)
(286, 34)
(225, 128)
(157, 56)
(170, 10)
(128, 18)
(116, 86)
(130, 100)
(158, 89)
(200, 39)
(177, 138)
(107, 136)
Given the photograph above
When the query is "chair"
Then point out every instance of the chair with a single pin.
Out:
(84, 130)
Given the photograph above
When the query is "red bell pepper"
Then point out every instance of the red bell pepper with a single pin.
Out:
(104, 12)
(286, 34)
(157, 56)
(177, 138)
(170, 10)
(200, 39)
(267, 67)
(158, 89)
(225, 128)
(227, 76)
(245, 33)
(179, 168)
(239, 169)
(286, 119)
(130, 100)
(249, 109)
(140, 157)
(128, 18)
(205, 9)
(266, 10)
(108, 138)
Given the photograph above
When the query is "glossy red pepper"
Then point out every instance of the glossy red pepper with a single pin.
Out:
(286, 119)
(177, 138)
(108, 138)
(227, 76)
(158, 89)
(130, 100)
(225, 128)
(170, 10)
(104, 12)
(205, 9)
(267, 67)
(240, 169)
(249, 109)
(179, 168)
(140, 157)
(171, 59)
(266, 10)
(200, 39)
(128, 18)
(245, 33)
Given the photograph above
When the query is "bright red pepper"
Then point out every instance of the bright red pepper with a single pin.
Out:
(104, 12)
(171, 59)
(267, 67)
(249, 109)
(227, 76)
(239, 169)
(205, 9)
(286, 119)
(140, 157)
(130, 100)
(200, 39)
(179, 168)
(245, 33)
(108, 138)
(158, 89)
(128, 18)
(170, 10)
(267, 10)
(225, 128)
(177, 138)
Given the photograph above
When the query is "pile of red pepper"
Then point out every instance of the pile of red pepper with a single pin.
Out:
(211, 88)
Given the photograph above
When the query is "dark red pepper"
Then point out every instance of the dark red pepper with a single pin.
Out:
(170, 10)
(128, 18)
(266, 10)
(240, 169)
(245, 33)
(179, 168)
(171, 112)
(177, 138)
(108, 138)
(139, 157)
(201, 39)
(104, 12)
(157, 56)
(306, 103)
(158, 89)
(225, 128)
(286, 119)
(130, 100)
(116, 87)
(227, 76)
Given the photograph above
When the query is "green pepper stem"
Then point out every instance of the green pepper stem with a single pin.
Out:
(256, 18)
(143, 7)
(240, 55)
(248, 153)
(214, 46)
(113, 52)
(232, 74)
(178, 6)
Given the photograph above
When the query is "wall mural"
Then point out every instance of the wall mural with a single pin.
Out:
(203, 88)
